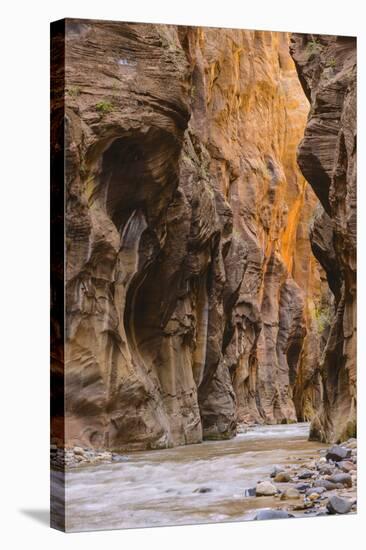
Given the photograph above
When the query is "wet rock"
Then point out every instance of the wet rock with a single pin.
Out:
(305, 505)
(78, 451)
(338, 453)
(344, 479)
(273, 514)
(305, 474)
(346, 466)
(265, 488)
(318, 490)
(282, 477)
(339, 505)
(203, 490)
(251, 492)
(276, 470)
(328, 485)
(290, 493)
(302, 487)
(322, 512)
(119, 458)
(326, 470)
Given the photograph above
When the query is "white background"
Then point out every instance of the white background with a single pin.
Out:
(24, 248)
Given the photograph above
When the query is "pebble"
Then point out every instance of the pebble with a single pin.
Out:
(119, 458)
(78, 451)
(290, 493)
(346, 466)
(276, 470)
(302, 487)
(305, 474)
(282, 477)
(317, 490)
(326, 470)
(303, 505)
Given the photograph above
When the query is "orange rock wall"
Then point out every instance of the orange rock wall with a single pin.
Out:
(190, 284)
(250, 111)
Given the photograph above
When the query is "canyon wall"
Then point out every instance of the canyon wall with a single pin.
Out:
(327, 156)
(191, 290)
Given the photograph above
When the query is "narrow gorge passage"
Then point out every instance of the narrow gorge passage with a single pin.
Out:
(210, 235)
(209, 358)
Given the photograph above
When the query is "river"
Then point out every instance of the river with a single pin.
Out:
(201, 483)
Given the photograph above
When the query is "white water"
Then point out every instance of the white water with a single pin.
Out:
(158, 487)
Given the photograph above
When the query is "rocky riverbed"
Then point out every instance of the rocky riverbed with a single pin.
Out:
(73, 457)
(325, 484)
(209, 482)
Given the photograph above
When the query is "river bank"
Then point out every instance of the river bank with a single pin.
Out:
(212, 481)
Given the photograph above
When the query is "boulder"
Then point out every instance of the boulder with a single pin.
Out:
(344, 479)
(265, 488)
(327, 484)
(338, 453)
(339, 505)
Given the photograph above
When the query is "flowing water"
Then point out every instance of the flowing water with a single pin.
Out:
(201, 483)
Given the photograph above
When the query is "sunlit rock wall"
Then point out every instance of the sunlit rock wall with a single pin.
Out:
(191, 290)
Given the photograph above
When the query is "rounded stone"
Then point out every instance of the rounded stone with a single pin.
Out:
(282, 477)
(265, 488)
(272, 514)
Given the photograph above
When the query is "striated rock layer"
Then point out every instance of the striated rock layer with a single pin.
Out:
(191, 290)
(327, 156)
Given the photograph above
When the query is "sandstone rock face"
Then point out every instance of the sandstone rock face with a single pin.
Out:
(190, 282)
(327, 157)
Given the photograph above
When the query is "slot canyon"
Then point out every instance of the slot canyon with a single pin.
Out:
(210, 234)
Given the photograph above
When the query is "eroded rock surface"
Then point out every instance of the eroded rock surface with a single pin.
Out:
(327, 156)
(190, 282)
